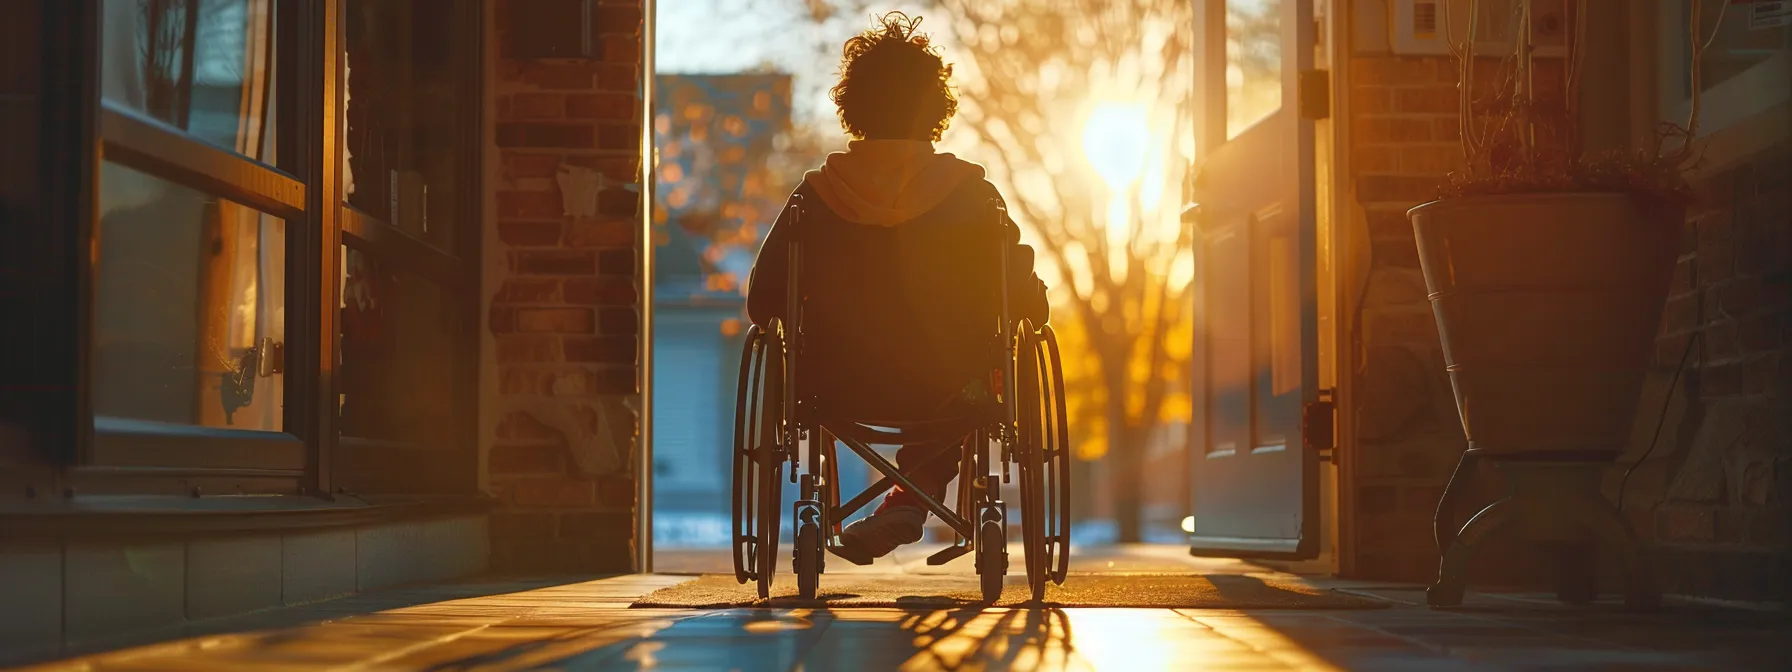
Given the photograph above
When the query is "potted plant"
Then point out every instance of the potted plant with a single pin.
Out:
(1548, 268)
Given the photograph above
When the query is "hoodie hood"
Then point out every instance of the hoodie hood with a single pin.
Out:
(888, 182)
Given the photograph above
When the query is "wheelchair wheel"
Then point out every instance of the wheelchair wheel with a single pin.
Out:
(1030, 393)
(807, 560)
(1057, 460)
(759, 457)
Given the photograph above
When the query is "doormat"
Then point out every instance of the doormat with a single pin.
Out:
(903, 591)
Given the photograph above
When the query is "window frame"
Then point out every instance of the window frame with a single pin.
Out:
(114, 455)
(1736, 100)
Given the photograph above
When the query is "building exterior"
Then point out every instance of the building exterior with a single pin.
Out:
(293, 304)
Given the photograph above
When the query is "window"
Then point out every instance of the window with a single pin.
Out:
(233, 342)
(407, 307)
(1744, 70)
(1253, 62)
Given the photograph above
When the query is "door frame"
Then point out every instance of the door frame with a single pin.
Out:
(644, 281)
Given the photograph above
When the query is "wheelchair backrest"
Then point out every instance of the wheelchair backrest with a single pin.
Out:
(894, 317)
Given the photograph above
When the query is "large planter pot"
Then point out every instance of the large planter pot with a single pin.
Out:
(1548, 305)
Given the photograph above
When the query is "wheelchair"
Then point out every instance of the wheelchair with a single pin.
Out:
(781, 436)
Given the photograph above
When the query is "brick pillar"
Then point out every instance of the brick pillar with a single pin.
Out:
(562, 292)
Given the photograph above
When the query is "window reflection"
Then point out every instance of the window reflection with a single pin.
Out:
(396, 377)
(403, 139)
(1253, 62)
(203, 66)
(189, 314)
(1736, 45)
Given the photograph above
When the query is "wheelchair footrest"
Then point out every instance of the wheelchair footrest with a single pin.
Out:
(949, 554)
(834, 548)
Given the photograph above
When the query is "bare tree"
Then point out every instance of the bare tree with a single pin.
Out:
(1029, 72)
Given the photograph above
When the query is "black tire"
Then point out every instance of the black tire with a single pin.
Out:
(1057, 461)
(768, 432)
(992, 560)
(808, 560)
(1031, 454)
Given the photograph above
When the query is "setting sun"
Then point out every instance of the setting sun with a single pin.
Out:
(1116, 139)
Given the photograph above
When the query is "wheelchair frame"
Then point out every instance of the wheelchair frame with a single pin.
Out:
(773, 425)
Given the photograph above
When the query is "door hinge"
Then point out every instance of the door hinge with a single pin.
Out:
(271, 357)
(1315, 94)
(1318, 426)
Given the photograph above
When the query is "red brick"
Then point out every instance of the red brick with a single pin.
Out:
(618, 77)
(1761, 374)
(525, 166)
(602, 291)
(622, 48)
(615, 381)
(618, 203)
(1427, 100)
(619, 321)
(553, 262)
(616, 262)
(520, 425)
(1404, 189)
(502, 319)
(555, 321)
(1716, 262)
(560, 492)
(529, 204)
(537, 106)
(617, 20)
(1392, 129)
(619, 136)
(1370, 70)
(528, 290)
(1719, 340)
(1721, 380)
(1366, 159)
(616, 492)
(608, 106)
(527, 460)
(509, 526)
(603, 349)
(527, 348)
(1372, 100)
(1680, 314)
(1431, 159)
(606, 527)
(529, 234)
(1758, 333)
(609, 233)
(558, 76)
(615, 167)
(516, 380)
(543, 134)
(1446, 130)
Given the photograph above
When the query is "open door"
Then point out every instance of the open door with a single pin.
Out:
(1255, 476)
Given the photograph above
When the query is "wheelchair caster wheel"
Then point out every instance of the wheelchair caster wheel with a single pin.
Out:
(808, 560)
(992, 560)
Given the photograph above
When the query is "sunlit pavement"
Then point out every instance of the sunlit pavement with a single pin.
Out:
(585, 624)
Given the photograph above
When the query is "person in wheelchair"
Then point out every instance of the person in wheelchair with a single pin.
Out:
(892, 217)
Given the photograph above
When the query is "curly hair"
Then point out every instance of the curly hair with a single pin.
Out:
(893, 83)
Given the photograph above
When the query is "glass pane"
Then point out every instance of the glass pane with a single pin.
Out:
(204, 66)
(189, 306)
(1253, 62)
(1736, 45)
(403, 135)
(1229, 361)
(396, 376)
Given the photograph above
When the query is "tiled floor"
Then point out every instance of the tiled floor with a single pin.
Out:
(586, 625)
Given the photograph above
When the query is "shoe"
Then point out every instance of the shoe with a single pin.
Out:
(874, 536)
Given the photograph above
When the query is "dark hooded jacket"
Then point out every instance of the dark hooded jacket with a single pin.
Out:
(900, 248)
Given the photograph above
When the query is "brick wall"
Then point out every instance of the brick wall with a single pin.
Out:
(562, 292)
(1716, 495)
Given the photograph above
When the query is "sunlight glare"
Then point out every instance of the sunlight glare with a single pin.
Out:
(1116, 139)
